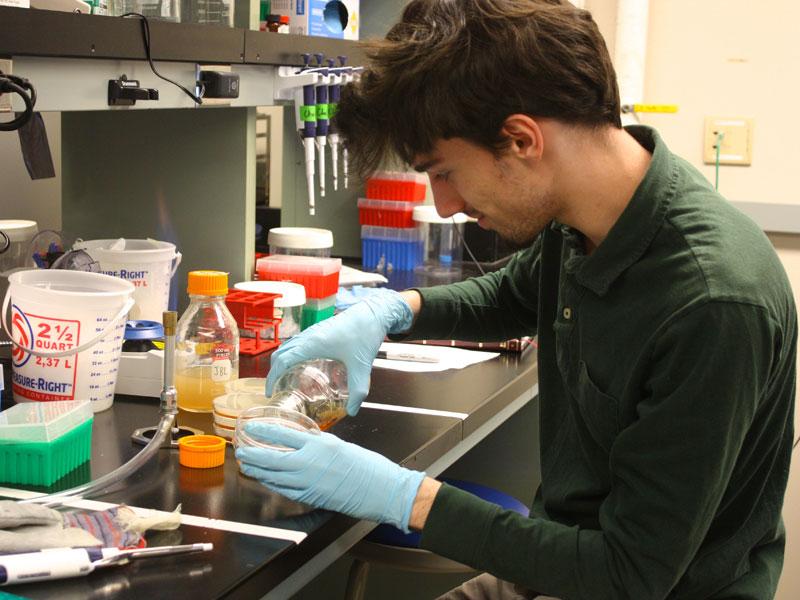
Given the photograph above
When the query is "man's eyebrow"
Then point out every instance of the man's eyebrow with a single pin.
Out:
(422, 167)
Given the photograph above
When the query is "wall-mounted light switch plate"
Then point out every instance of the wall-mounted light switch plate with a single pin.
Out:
(736, 147)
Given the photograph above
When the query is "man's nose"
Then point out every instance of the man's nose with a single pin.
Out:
(446, 199)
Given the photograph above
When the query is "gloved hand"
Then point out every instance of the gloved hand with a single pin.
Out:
(352, 337)
(327, 472)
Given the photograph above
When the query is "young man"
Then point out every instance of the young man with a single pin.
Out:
(666, 325)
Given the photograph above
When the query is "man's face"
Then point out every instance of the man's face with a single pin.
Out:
(506, 195)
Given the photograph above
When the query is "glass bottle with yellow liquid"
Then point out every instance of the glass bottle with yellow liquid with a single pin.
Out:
(207, 344)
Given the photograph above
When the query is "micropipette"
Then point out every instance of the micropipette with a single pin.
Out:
(322, 119)
(306, 113)
(334, 95)
(62, 563)
(347, 77)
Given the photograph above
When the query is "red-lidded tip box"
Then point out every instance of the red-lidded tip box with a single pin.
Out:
(320, 276)
(394, 185)
(386, 213)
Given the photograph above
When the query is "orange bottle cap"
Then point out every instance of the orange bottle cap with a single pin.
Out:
(208, 283)
(201, 451)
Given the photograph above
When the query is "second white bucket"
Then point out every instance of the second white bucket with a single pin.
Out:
(148, 264)
(67, 328)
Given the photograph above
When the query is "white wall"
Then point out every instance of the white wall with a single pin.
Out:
(21, 198)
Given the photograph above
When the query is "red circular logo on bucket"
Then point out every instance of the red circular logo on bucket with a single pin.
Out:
(23, 335)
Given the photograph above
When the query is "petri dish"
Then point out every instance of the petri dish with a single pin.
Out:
(272, 415)
(253, 385)
(232, 404)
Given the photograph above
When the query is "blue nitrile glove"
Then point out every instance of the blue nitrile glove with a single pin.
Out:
(352, 337)
(327, 472)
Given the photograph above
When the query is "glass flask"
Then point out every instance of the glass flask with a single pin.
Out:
(317, 388)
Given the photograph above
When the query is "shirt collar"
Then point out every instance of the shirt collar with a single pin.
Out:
(635, 229)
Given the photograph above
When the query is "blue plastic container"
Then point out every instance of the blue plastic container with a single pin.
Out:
(391, 249)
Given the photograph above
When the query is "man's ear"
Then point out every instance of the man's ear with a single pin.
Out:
(525, 136)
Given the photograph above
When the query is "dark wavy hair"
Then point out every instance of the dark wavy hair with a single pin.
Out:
(459, 68)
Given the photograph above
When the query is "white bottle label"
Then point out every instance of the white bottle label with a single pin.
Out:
(221, 367)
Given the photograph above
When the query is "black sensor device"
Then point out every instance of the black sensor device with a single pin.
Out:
(219, 84)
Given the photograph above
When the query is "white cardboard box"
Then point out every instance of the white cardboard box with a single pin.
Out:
(323, 18)
(17, 3)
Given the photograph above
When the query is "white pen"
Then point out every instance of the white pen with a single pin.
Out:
(407, 356)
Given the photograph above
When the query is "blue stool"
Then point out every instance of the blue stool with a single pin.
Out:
(388, 546)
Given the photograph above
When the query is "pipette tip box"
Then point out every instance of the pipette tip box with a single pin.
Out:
(389, 248)
(394, 185)
(316, 310)
(320, 276)
(40, 442)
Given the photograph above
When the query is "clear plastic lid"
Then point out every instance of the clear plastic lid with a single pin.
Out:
(300, 237)
(233, 404)
(254, 385)
(18, 230)
(42, 421)
(274, 415)
(400, 176)
(307, 265)
(394, 234)
(398, 205)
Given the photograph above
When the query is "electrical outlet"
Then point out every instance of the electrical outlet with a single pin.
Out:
(5, 99)
(737, 141)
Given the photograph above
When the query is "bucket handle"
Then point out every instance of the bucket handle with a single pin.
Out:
(178, 258)
(85, 346)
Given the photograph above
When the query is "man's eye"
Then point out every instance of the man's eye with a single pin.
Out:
(442, 176)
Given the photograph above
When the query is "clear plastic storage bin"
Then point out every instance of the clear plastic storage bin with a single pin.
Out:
(442, 239)
(300, 241)
(288, 308)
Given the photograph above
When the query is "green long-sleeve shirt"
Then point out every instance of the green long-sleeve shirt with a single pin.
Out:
(666, 391)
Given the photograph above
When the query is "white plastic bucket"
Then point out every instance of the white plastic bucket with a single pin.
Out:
(148, 264)
(67, 329)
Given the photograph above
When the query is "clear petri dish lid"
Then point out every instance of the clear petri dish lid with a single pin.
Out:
(233, 403)
(272, 415)
(253, 385)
